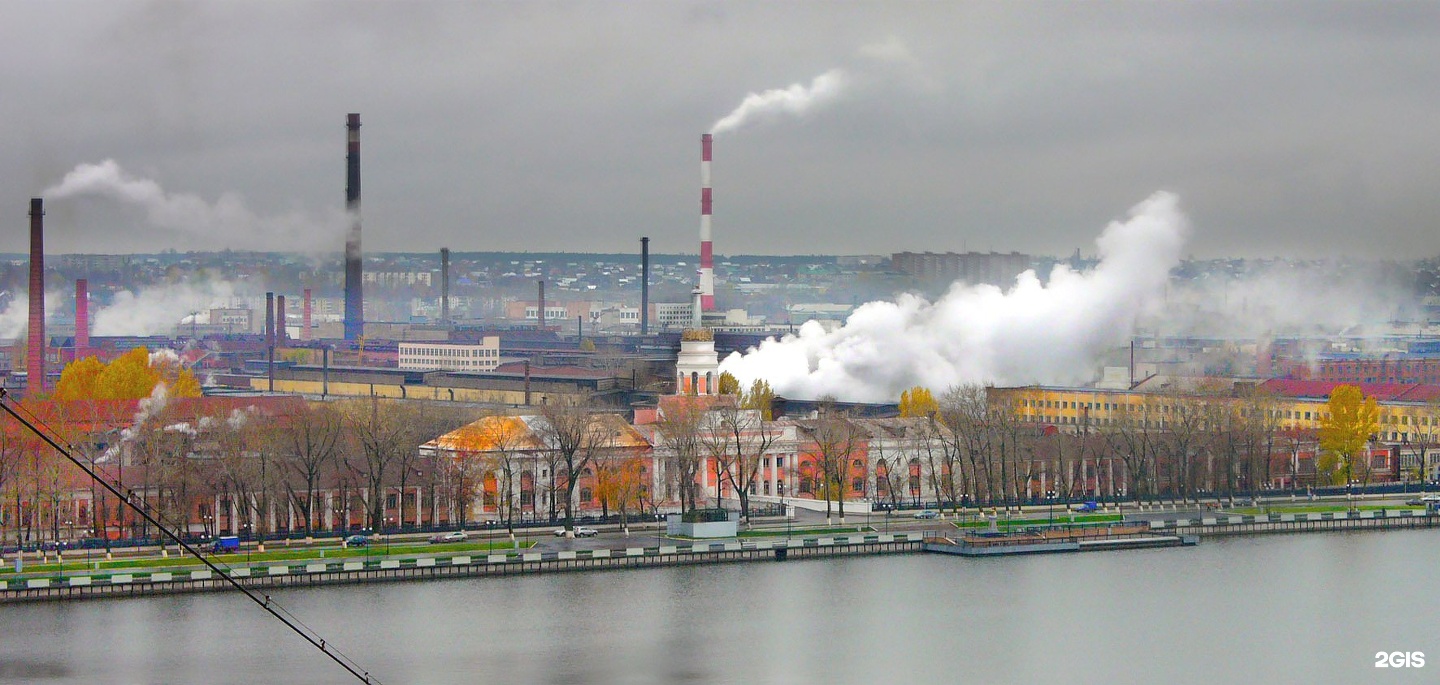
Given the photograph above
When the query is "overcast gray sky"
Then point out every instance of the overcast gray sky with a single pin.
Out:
(1305, 128)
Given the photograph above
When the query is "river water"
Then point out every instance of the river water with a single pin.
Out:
(1311, 608)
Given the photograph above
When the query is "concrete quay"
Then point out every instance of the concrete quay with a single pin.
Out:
(320, 572)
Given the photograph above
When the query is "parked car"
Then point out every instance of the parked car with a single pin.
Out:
(1087, 507)
(560, 532)
(453, 536)
(927, 514)
(1415, 502)
(357, 541)
(586, 532)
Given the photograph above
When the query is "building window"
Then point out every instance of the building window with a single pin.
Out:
(390, 501)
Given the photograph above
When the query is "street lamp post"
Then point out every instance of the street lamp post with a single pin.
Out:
(1050, 505)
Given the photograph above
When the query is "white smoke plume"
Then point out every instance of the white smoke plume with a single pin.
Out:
(885, 60)
(15, 317)
(238, 417)
(182, 427)
(981, 334)
(147, 407)
(157, 310)
(796, 99)
(1286, 299)
(166, 356)
(226, 222)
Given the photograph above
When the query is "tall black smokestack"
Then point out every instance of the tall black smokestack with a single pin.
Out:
(270, 340)
(541, 312)
(354, 295)
(445, 285)
(644, 286)
(35, 345)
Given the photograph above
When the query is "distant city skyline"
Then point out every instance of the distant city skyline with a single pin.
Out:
(1286, 129)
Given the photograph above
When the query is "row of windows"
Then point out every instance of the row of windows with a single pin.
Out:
(450, 352)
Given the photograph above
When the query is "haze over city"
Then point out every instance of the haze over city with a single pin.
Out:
(1288, 129)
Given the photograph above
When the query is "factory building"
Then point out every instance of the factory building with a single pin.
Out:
(473, 357)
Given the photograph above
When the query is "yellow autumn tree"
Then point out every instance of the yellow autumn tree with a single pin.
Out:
(178, 380)
(760, 396)
(130, 376)
(78, 379)
(127, 377)
(1344, 432)
(918, 401)
(729, 384)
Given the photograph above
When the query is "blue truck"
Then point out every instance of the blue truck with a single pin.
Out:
(228, 544)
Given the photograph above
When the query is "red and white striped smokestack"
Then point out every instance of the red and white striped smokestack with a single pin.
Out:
(707, 266)
(305, 317)
(35, 344)
(82, 316)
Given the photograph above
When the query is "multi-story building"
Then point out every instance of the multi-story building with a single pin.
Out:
(994, 268)
(232, 319)
(1397, 367)
(472, 357)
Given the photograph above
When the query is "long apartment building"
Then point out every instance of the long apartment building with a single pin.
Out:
(1408, 413)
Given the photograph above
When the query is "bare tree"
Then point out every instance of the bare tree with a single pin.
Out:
(380, 437)
(837, 440)
(572, 434)
(737, 439)
(680, 429)
(311, 437)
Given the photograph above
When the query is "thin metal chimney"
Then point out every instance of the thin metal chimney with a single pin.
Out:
(35, 343)
(445, 286)
(82, 315)
(541, 312)
(644, 286)
(354, 276)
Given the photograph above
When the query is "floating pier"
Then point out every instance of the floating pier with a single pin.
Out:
(994, 544)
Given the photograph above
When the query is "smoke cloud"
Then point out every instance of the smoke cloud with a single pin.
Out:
(887, 60)
(226, 222)
(15, 314)
(796, 100)
(1049, 333)
(157, 310)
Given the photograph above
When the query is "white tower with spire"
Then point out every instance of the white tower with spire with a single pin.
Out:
(697, 370)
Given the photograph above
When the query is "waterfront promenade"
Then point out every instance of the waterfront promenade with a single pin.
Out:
(493, 555)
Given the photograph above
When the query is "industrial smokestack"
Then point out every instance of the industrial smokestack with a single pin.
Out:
(281, 318)
(270, 340)
(305, 317)
(541, 312)
(354, 294)
(707, 266)
(82, 315)
(445, 285)
(35, 345)
(269, 320)
(644, 286)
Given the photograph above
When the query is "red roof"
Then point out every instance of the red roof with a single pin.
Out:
(1385, 392)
